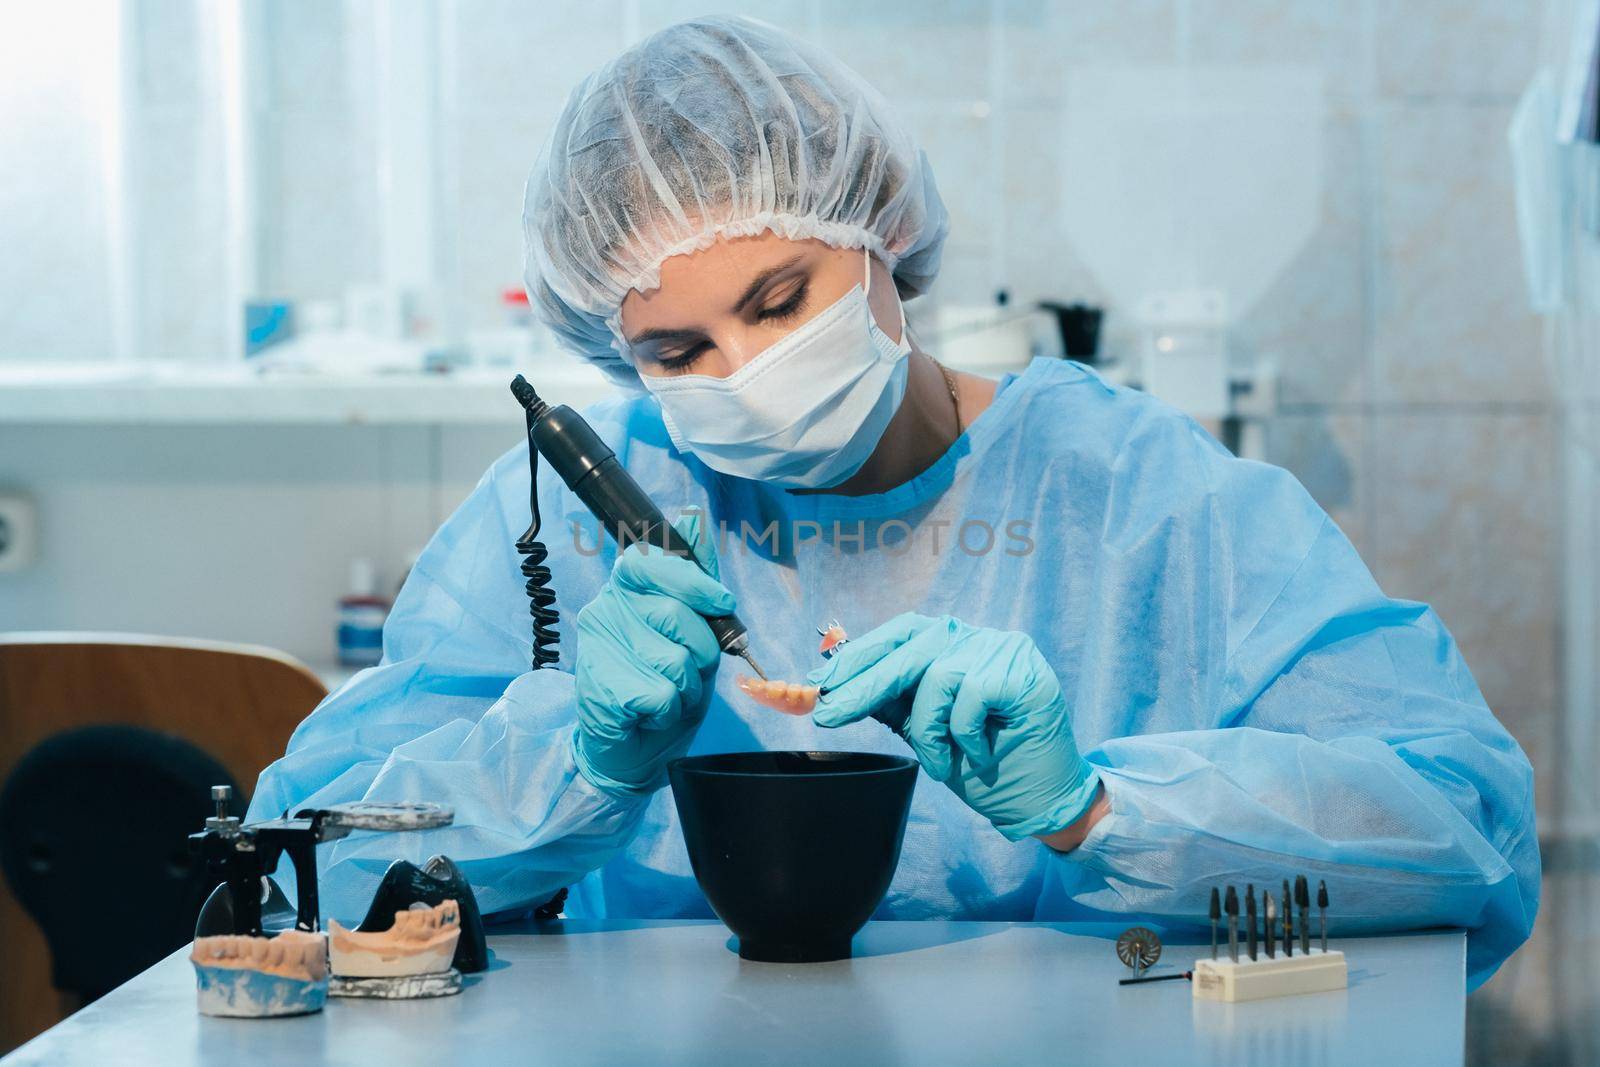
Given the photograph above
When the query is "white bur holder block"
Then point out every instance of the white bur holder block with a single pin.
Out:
(1260, 978)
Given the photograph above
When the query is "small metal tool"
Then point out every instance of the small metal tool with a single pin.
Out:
(1302, 897)
(1231, 906)
(1250, 919)
(1216, 914)
(1139, 947)
(1156, 978)
(1287, 904)
(1322, 907)
(1271, 917)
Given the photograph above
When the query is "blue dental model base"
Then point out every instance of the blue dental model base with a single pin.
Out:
(240, 993)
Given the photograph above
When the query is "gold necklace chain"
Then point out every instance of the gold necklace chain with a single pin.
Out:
(955, 400)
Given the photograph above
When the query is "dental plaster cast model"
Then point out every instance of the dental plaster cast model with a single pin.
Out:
(421, 941)
(791, 698)
(259, 977)
(405, 885)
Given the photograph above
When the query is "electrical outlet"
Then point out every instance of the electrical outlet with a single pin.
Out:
(18, 532)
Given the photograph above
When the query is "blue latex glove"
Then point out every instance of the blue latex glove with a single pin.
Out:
(981, 709)
(647, 662)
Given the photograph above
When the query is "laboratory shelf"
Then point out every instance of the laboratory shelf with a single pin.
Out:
(222, 394)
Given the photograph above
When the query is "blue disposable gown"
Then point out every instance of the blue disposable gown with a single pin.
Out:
(1254, 703)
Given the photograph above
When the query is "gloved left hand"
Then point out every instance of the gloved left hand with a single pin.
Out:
(980, 708)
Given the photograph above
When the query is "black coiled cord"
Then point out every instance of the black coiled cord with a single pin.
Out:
(541, 598)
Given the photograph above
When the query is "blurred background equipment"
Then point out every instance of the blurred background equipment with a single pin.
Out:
(361, 616)
(18, 532)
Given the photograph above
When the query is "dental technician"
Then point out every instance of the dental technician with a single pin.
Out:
(1131, 665)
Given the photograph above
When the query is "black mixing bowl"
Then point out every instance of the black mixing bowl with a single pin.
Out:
(793, 849)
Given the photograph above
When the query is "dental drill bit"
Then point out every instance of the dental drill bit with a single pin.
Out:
(1287, 904)
(1231, 906)
(1322, 907)
(1250, 919)
(1216, 913)
(1271, 917)
(1302, 897)
(748, 658)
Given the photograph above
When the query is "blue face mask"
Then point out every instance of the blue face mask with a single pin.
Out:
(806, 412)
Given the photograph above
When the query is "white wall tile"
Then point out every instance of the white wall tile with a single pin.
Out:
(1452, 318)
(793, 16)
(966, 276)
(1463, 514)
(1040, 262)
(1325, 451)
(956, 142)
(1314, 33)
(1312, 321)
(1041, 40)
(512, 55)
(1536, 728)
(1457, 48)
(938, 50)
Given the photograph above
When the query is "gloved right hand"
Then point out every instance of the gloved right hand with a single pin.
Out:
(985, 716)
(647, 663)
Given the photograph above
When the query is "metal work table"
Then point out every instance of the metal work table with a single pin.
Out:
(917, 993)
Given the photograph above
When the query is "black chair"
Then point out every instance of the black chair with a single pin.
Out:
(93, 842)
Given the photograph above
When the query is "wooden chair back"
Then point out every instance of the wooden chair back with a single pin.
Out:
(240, 703)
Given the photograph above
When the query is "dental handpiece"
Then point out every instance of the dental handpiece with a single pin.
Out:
(591, 470)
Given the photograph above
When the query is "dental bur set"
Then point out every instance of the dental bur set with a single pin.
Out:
(1260, 971)
(1257, 975)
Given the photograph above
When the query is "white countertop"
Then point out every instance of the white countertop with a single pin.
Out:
(921, 993)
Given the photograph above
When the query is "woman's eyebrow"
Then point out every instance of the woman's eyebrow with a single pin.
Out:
(762, 279)
(664, 334)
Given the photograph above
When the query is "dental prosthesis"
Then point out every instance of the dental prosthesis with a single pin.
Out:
(792, 698)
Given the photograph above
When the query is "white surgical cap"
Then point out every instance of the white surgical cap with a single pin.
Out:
(716, 127)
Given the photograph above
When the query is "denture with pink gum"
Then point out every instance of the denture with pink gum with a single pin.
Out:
(791, 698)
